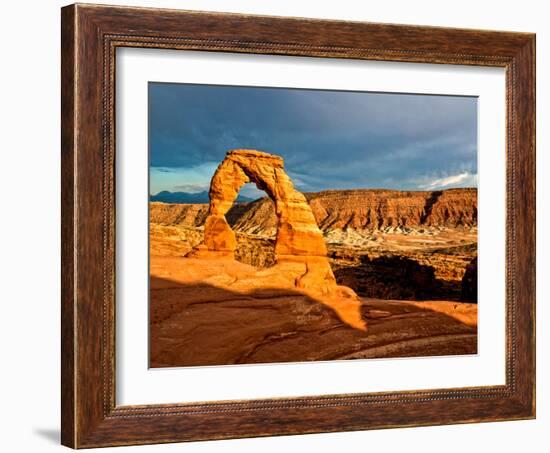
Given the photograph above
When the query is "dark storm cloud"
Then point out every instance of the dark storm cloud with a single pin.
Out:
(329, 139)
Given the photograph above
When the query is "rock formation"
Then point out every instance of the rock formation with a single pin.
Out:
(373, 210)
(361, 209)
(300, 250)
(297, 232)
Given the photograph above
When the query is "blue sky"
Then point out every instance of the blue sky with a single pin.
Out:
(328, 139)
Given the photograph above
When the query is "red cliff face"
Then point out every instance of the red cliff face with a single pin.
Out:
(382, 209)
(373, 210)
(363, 209)
(452, 208)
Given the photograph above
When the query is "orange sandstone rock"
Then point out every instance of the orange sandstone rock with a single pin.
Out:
(297, 230)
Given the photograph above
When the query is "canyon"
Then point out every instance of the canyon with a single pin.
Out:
(338, 274)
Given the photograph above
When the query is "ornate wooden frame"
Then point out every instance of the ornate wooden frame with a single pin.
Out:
(90, 35)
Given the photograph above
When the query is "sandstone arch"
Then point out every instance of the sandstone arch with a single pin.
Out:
(300, 250)
(297, 232)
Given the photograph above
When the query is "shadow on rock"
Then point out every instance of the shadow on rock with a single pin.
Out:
(469, 283)
(201, 324)
(396, 277)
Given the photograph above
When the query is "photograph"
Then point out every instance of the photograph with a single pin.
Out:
(295, 225)
(246, 226)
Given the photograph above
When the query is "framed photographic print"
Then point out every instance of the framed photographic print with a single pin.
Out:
(280, 226)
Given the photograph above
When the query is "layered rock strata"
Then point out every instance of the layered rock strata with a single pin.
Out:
(360, 209)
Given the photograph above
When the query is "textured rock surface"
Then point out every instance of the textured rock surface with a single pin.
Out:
(365, 209)
(178, 240)
(373, 210)
(178, 214)
(217, 312)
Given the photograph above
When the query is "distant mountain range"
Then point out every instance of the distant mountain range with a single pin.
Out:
(184, 197)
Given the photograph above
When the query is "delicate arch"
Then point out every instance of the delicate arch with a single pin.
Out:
(297, 232)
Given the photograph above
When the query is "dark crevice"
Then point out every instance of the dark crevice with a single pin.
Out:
(429, 206)
(396, 277)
